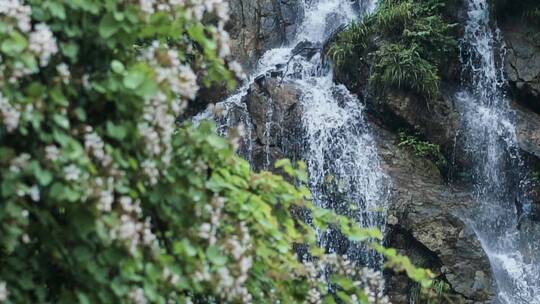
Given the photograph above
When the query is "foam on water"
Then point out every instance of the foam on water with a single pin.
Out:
(343, 162)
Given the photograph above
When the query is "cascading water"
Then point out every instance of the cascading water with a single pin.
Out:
(341, 156)
(488, 124)
(342, 160)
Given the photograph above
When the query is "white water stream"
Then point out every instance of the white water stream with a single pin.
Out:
(344, 169)
(343, 166)
(489, 127)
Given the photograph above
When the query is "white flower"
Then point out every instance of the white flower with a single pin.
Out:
(19, 163)
(43, 43)
(147, 6)
(52, 153)
(223, 40)
(105, 200)
(86, 81)
(72, 173)
(151, 171)
(10, 114)
(34, 193)
(127, 204)
(63, 71)
(95, 146)
(220, 9)
(137, 296)
(204, 231)
(237, 69)
(148, 237)
(128, 228)
(18, 12)
(169, 276)
(4, 293)
(245, 264)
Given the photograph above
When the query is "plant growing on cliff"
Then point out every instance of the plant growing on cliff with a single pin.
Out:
(439, 293)
(423, 149)
(404, 44)
(404, 67)
(104, 200)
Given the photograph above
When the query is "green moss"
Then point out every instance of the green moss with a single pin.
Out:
(405, 44)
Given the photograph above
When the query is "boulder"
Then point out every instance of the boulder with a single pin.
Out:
(306, 49)
(522, 63)
(437, 119)
(276, 114)
(255, 26)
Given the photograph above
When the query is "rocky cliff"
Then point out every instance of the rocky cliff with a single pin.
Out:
(426, 205)
(258, 25)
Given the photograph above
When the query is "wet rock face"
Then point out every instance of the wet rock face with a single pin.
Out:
(424, 220)
(436, 119)
(528, 130)
(523, 60)
(306, 49)
(258, 25)
(425, 216)
(424, 223)
(439, 122)
(276, 114)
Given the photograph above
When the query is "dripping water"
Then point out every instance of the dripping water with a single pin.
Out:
(490, 138)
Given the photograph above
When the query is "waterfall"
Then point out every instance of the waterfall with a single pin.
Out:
(490, 139)
(342, 159)
(341, 155)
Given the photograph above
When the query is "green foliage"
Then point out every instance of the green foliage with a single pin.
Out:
(348, 49)
(405, 44)
(393, 16)
(104, 200)
(439, 292)
(535, 176)
(423, 149)
(402, 67)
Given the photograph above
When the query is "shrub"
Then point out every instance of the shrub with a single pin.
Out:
(104, 200)
(401, 67)
(405, 44)
(350, 44)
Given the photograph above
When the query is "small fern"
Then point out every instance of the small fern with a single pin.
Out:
(423, 149)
